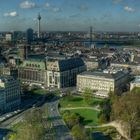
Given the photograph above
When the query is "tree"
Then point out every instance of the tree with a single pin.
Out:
(69, 93)
(79, 132)
(71, 118)
(87, 94)
(135, 90)
(127, 109)
(57, 92)
(105, 113)
(102, 118)
(137, 136)
(32, 128)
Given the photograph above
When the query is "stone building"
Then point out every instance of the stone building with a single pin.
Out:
(33, 71)
(62, 73)
(91, 63)
(101, 82)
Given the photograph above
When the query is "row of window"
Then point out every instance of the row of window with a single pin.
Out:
(32, 75)
(33, 65)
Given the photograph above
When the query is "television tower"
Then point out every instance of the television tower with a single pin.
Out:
(39, 18)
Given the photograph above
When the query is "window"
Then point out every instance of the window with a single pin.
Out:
(55, 80)
(50, 79)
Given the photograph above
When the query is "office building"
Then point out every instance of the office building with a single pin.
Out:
(29, 35)
(102, 83)
(18, 36)
(33, 72)
(62, 73)
(9, 93)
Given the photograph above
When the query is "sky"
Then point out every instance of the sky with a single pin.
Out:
(70, 15)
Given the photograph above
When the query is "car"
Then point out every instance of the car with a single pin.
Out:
(61, 95)
(52, 109)
(18, 110)
(34, 105)
(15, 111)
(8, 115)
(2, 118)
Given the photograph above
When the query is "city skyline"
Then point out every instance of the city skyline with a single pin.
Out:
(64, 15)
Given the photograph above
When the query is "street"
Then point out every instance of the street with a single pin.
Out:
(17, 117)
(62, 131)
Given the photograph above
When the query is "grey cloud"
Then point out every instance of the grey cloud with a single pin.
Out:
(11, 14)
(27, 4)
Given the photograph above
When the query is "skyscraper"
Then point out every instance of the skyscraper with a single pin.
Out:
(39, 18)
(29, 35)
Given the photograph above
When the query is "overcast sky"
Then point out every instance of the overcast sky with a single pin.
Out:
(75, 15)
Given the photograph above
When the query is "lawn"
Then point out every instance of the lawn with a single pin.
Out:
(77, 101)
(90, 116)
(38, 91)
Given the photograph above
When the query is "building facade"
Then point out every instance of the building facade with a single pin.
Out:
(9, 70)
(9, 93)
(103, 82)
(91, 64)
(8, 37)
(134, 67)
(29, 35)
(33, 71)
(62, 73)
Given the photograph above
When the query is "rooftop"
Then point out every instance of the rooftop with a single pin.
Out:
(99, 74)
(69, 64)
(37, 56)
(34, 64)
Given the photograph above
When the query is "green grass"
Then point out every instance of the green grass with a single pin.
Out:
(15, 127)
(90, 116)
(77, 101)
(39, 91)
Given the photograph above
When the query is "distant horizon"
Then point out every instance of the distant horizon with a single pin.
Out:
(72, 31)
(72, 15)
